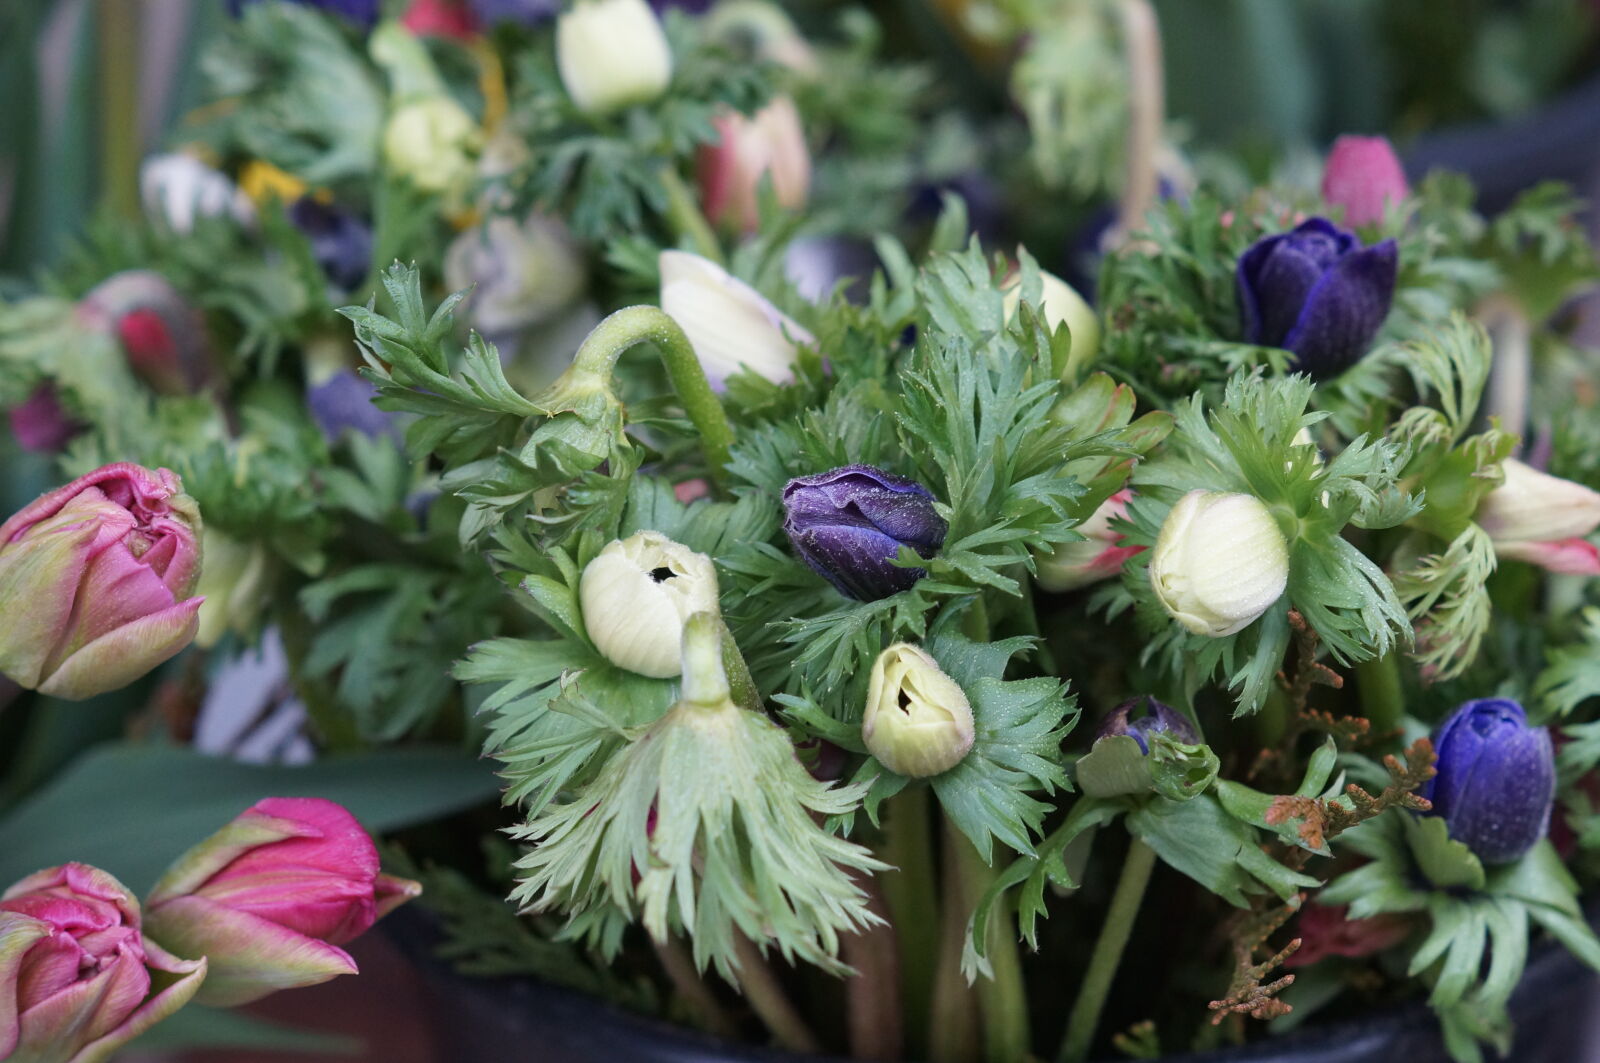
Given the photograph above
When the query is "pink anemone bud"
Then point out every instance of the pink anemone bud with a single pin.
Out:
(1099, 556)
(95, 581)
(771, 144)
(1542, 519)
(161, 334)
(1329, 931)
(40, 424)
(1363, 176)
(77, 979)
(441, 18)
(270, 897)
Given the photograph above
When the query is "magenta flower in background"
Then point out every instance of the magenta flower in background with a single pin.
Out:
(1363, 176)
(162, 335)
(76, 976)
(270, 897)
(95, 581)
(40, 424)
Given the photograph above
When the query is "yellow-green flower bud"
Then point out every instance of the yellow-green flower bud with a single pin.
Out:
(636, 595)
(612, 53)
(1219, 562)
(918, 720)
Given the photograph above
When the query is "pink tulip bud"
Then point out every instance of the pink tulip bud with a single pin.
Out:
(161, 334)
(1542, 519)
(1099, 556)
(40, 424)
(770, 144)
(1363, 175)
(95, 579)
(75, 972)
(270, 897)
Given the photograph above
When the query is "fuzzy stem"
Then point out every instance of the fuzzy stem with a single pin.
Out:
(953, 1025)
(913, 908)
(1141, 32)
(1136, 868)
(1382, 698)
(637, 324)
(768, 1000)
(1001, 999)
(872, 995)
(119, 46)
(686, 218)
(688, 984)
(1512, 368)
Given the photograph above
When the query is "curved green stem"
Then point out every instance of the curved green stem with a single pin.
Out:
(685, 217)
(1136, 868)
(596, 361)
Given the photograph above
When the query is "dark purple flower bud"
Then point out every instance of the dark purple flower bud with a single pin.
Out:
(340, 242)
(363, 13)
(1496, 781)
(849, 524)
(1315, 291)
(343, 402)
(40, 424)
(1143, 716)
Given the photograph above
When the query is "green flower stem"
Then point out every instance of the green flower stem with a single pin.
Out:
(913, 908)
(872, 995)
(685, 217)
(1141, 32)
(688, 984)
(118, 31)
(1382, 699)
(1001, 998)
(1511, 373)
(597, 358)
(953, 1024)
(768, 1000)
(1136, 868)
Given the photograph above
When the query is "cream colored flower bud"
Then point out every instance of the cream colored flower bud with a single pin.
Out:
(918, 720)
(433, 141)
(636, 595)
(1533, 506)
(1219, 562)
(1060, 303)
(729, 323)
(612, 53)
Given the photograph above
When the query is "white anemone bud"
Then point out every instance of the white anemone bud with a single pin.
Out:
(918, 720)
(612, 53)
(1060, 302)
(1219, 562)
(636, 595)
(728, 323)
(1533, 506)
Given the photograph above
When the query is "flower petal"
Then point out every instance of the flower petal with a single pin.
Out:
(123, 655)
(1344, 311)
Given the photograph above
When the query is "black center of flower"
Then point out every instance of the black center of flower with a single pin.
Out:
(662, 574)
(905, 700)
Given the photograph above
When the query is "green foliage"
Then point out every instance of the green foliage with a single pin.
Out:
(1571, 674)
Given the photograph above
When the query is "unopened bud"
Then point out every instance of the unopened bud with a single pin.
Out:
(1219, 562)
(918, 721)
(637, 594)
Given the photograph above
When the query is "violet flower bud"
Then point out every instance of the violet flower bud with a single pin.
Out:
(270, 897)
(95, 581)
(1152, 717)
(1363, 176)
(1316, 292)
(849, 524)
(340, 242)
(363, 13)
(39, 424)
(75, 972)
(1496, 779)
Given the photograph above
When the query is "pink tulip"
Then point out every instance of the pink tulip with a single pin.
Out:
(75, 972)
(40, 424)
(270, 897)
(1099, 556)
(95, 579)
(1363, 176)
(770, 144)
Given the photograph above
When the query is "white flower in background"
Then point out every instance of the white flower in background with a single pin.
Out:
(918, 721)
(433, 141)
(522, 274)
(729, 323)
(1219, 562)
(179, 188)
(636, 595)
(612, 53)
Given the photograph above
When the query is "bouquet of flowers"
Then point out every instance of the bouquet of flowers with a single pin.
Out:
(867, 630)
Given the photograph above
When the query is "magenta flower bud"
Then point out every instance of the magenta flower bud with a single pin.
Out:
(270, 897)
(1496, 779)
(849, 524)
(161, 334)
(95, 581)
(1363, 176)
(40, 424)
(75, 972)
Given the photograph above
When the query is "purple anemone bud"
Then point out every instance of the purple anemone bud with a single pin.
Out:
(849, 524)
(1496, 780)
(523, 12)
(1143, 716)
(344, 402)
(363, 13)
(1316, 292)
(340, 242)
